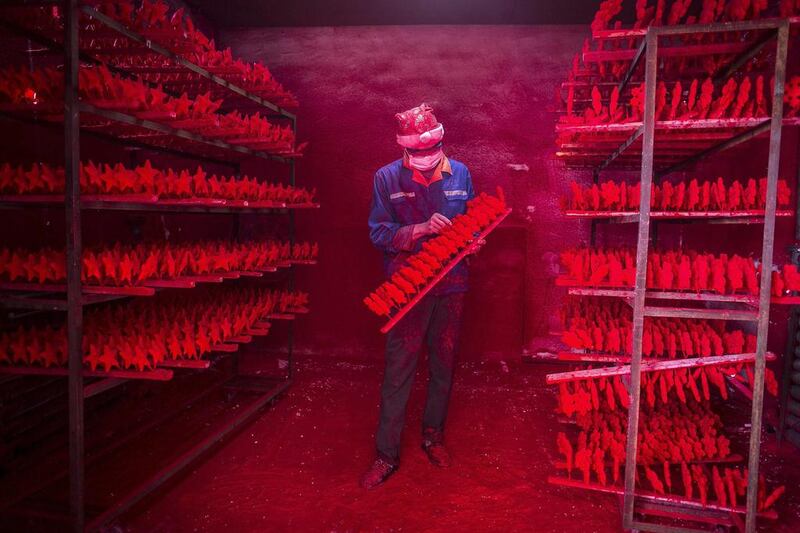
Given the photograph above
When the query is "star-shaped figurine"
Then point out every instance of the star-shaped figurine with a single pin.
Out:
(227, 327)
(42, 269)
(126, 350)
(140, 359)
(174, 344)
(30, 265)
(214, 331)
(108, 358)
(91, 268)
(157, 14)
(182, 262)
(95, 176)
(203, 341)
(93, 356)
(126, 267)
(240, 324)
(222, 261)
(36, 349)
(33, 179)
(157, 350)
(146, 176)
(182, 106)
(124, 11)
(8, 178)
(109, 180)
(109, 266)
(49, 179)
(89, 84)
(168, 268)
(19, 346)
(202, 105)
(15, 267)
(133, 93)
(203, 264)
(189, 346)
(183, 185)
(200, 183)
(126, 180)
(149, 268)
(215, 187)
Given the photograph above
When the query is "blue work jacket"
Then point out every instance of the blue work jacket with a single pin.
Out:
(402, 197)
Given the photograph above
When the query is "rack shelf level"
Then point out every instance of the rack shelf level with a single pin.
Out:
(153, 203)
(652, 496)
(655, 366)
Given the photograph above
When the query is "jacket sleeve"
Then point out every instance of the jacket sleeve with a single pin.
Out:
(383, 227)
(470, 190)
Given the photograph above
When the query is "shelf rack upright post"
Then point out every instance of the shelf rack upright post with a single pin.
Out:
(74, 294)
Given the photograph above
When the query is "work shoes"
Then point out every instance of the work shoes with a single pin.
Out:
(377, 474)
(437, 453)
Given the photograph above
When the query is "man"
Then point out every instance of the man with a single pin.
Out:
(413, 199)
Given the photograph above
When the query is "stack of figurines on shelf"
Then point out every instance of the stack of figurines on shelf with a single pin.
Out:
(682, 443)
(682, 451)
(593, 91)
(674, 102)
(132, 265)
(119, 181)
(42, 90)
(674, 270)
(603, 328)
(682, 196)
(158, 22)
(141, 334)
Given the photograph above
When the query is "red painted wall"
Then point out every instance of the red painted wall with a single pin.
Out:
(492, 87)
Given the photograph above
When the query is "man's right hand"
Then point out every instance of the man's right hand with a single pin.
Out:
(431, 227)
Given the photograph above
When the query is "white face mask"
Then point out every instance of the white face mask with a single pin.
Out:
(426, 162)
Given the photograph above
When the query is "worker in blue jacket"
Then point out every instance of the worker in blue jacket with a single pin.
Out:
(413, 199)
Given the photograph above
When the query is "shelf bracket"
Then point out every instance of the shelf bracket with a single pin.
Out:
(634, 63)
(619, 151)
(745, 56)
(721, 147)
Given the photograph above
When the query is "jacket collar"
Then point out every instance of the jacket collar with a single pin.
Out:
(416, 175)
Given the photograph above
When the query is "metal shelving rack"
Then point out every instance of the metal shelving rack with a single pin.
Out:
(657, 148)
(178, 142)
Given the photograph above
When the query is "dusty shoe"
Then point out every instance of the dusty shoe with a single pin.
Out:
(437, 454)
(377, 474)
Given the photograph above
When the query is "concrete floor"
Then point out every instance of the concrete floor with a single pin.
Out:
(296, 468)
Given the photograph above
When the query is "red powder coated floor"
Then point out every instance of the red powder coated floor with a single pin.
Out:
(296, 467)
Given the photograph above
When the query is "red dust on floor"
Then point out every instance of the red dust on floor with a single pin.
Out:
(297, 467)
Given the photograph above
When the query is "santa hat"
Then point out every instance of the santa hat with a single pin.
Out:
(418, 128)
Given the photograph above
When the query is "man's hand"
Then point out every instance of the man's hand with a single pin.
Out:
(432, 227)
(437, 223)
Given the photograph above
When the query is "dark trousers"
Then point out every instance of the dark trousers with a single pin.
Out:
(436, 320)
